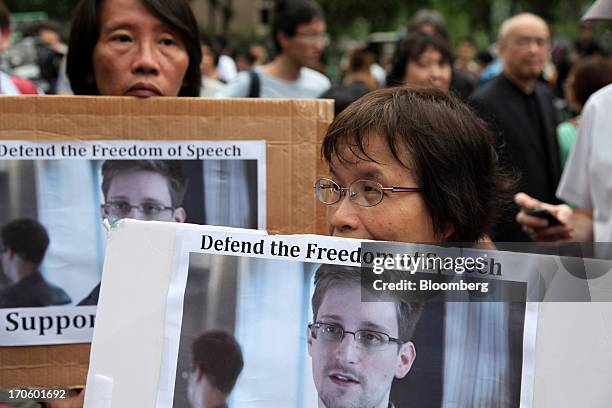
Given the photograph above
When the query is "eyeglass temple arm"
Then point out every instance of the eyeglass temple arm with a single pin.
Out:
(403, 189)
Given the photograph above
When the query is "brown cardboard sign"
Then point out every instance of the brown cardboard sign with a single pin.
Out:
(291, 129)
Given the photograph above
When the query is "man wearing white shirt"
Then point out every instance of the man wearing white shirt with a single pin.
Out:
(299, 33)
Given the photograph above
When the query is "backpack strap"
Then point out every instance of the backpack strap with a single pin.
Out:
(24, 86)
(255, 85)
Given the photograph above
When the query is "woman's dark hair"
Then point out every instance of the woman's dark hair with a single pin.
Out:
(410, 49)
(289, 14)
(449, 149)
(85, 32)
(590, 75)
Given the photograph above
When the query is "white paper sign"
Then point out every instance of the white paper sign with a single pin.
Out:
(61, 186)
(51, 325)
(267, 282)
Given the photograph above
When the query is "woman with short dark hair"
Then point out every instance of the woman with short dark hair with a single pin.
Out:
(434, 152)
(134, 48)
(417, 165)
(422, 59)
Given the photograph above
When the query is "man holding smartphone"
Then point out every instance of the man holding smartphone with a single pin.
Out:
(585, 180)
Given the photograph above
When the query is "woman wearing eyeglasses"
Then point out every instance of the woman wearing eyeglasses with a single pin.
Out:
(411, 165)
(418, 166)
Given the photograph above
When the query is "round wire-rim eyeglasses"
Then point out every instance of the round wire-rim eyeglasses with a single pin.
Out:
(366, 193)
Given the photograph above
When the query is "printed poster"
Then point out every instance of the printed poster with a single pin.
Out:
(472, 336)
(57, 200)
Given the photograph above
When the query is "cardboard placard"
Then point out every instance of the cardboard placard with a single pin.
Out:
(292, 130)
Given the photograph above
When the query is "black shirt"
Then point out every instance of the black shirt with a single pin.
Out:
(33, 291)
(525, 128)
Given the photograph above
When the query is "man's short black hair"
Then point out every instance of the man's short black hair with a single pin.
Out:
(85, 31)
(214, 45)
(410, 49)
(289, 14)
(172, 170)
(27, 238)
(217, 354)
(327, 276)
(33, 29)
(5, 16)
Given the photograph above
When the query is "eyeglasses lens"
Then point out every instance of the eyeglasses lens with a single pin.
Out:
(328, 192)
(366, 193)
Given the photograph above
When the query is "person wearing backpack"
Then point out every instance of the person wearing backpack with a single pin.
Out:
(299, 34)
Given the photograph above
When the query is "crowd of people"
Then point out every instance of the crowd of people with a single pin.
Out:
(529, 89)
(427, 146)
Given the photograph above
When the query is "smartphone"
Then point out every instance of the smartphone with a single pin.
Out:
(542, 213)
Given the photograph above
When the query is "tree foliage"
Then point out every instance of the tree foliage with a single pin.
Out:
(477, 18)
(59, 10)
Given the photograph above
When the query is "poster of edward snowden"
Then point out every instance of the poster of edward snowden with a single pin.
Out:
(260, 321)
(54, 197)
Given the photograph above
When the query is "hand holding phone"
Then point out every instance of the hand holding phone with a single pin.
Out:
(542, 213)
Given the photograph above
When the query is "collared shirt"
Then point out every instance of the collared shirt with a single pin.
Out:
(586, 180)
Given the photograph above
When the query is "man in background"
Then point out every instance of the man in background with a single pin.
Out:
(211, 85)
(299, 34)
(24, 244)
(520, 110)
(148, 190)
(217, 363)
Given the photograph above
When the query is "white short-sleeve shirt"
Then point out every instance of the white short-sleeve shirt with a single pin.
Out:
(587, 178)
(310, 84)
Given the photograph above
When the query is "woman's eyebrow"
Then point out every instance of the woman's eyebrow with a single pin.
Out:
(119, 25)
(361, 174)
(370, 174)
